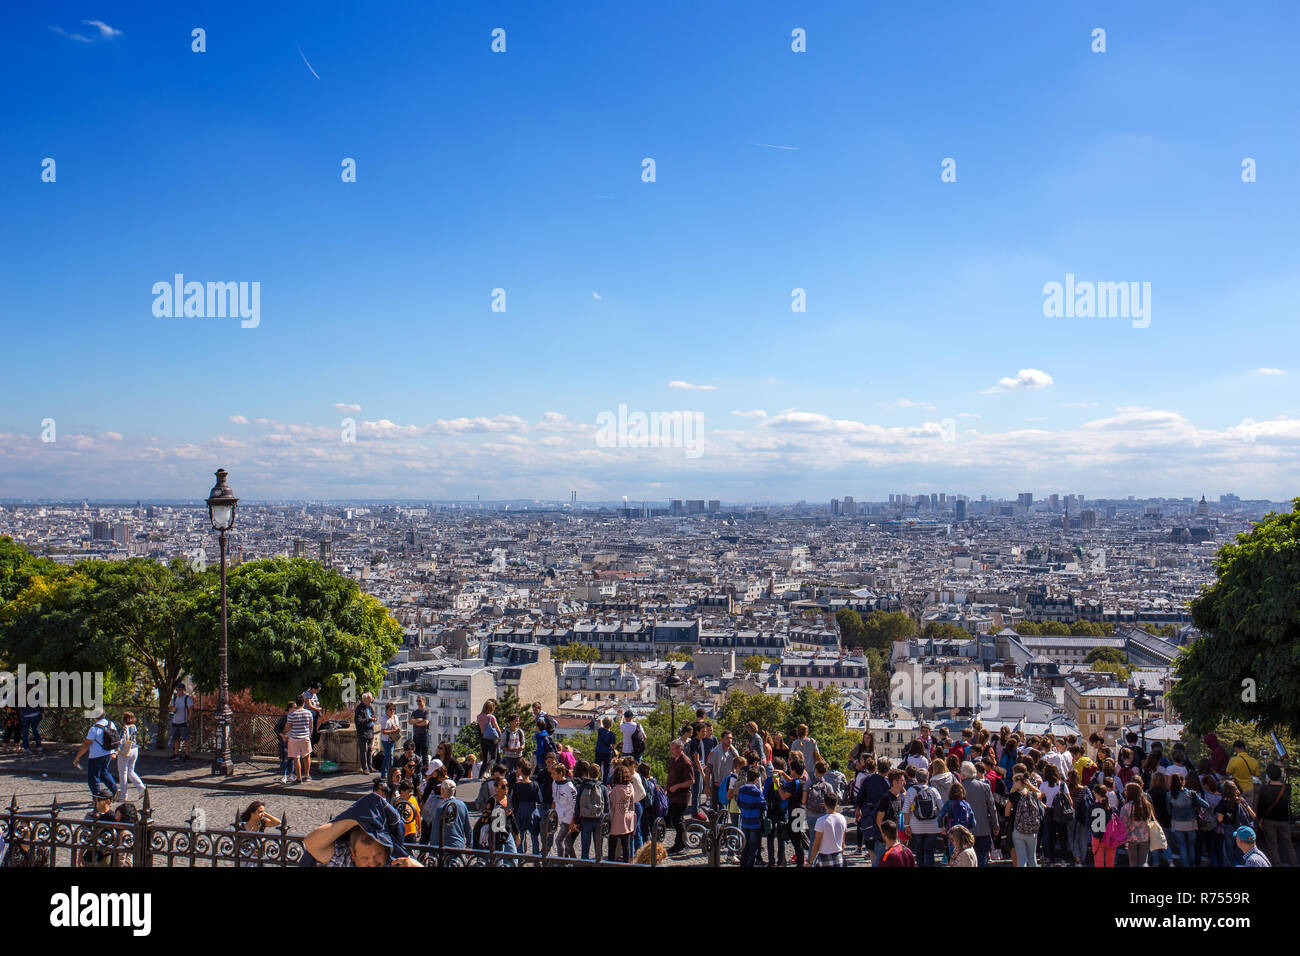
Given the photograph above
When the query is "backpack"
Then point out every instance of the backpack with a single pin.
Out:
(659, 799)
(109, 738)
(551, 725)
(1029, 813)
(1116, 832)
(724, 789)
(592, 801)
(1062, 807)
(815, 802)
(638, 741)
(925, 805)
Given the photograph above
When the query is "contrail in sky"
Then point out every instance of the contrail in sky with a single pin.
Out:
(304, 59)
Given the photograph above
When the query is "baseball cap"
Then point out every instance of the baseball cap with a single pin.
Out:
(1244, 834)
(435, 764)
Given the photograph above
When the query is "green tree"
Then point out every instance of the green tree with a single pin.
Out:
(1246, 665)
(1108, 654)
(1027, 629)
(1117, 668)
(292, 621)
(882, 628)
(754, 663)
(852, 632)
(678, 657)
(1082, 628)
(18, 566)
(823, 712)
(766, 710)
(573, 651)
(945, 631)
(128, 619)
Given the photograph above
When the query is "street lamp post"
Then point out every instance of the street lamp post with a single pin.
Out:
(672, 682)
(1142, 703)
(221, 512)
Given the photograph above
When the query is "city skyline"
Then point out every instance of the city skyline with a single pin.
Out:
(927, 356)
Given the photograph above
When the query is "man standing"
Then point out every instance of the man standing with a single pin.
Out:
(701, 746)
(418, 721)
(1243, 768)
(628, 729)
(980, 797)
(363, 718)
(1274, 817)
(804, 746)
(182, 705)
(721, 760)
(101, 744)
(311, 697)
(681, 778)
(29, 717)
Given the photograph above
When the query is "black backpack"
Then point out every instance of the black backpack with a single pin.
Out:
(1062, 807)
(109, 737)
(638, 741)
(923, 804)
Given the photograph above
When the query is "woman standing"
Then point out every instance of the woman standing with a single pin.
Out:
(779, 747)
(128, 750)
(867, 745)
(512, 743)
(1184, 805)
(1025, 811)
(622, 814)
(449, 763)
(389, 734)
(1137, 815)
(489, 732)
(1232, 812)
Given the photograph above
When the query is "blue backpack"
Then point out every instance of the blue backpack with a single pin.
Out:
(658, 798)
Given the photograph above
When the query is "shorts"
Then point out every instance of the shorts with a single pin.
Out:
(180, 732)
(298, 747)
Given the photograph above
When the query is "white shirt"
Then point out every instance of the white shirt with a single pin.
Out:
(628, 728)
(566, 800)
(831, 826)
(638, 788)
(95, 734)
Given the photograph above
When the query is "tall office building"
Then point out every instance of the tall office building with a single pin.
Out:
(835, 506)
(959, 509)
(573, 499)
(1026, 499)
(675, 507)
(695, 506)
(715, 506)
(850, 506)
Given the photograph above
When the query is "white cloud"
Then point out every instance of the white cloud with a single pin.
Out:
(678, 383)
(911, 403)
(345, 407)
(752, 413)
(72, 36)
(238, 420)
(596, 296)
(1025, 380)
(105, 31)
(1268, 371)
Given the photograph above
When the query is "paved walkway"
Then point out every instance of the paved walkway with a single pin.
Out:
(259, 775)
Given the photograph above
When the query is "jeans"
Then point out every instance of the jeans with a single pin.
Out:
(753, 840)
(1231, 853)
(604, 760)
(923, 846)
(1212, 844)
(97, 772)
(877, 851)
(776, 844)
(1053, 836)
(620, 847)
(31, 725)
(1026, 845)
(487, 757)
(695, 794)
(983, 846)
(1184, 842)
(590, 830)
(386, 764)
(1078, 837)
(422, 750)
(637, 836)
(1159, 858)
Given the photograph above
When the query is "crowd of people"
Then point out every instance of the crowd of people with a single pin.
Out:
(963, 800)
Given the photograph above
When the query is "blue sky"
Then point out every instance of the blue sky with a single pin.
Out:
(523, 171)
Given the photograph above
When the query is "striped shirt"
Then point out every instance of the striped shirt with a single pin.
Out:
(750, 800)
(299, 724)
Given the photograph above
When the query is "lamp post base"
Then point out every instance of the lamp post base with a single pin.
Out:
(223, 766)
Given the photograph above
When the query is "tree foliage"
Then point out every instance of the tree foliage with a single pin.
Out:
(881, 629)
(291, 621)
(574, 651)
(1246, 665)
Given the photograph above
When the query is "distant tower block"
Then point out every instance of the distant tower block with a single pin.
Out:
(573, 499)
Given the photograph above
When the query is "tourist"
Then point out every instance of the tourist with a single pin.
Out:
(1184, 805)
(889, 809)
(921, 818)
(892, 852)
(979, 796)
(512, 742)
(1244, 770)
(605, 740)
(1232, 813)
(962, 844)
(628, 731)
(622, 812)
(718, 766)
(1025, 811)
(1274, 817)
(828, 838)
(527, 799)
(1137, 814)
(681, 780)
(418, 721)
(29, 719)
(390, 731)
(182, 706)
(489, 732)
(101, 743)
(593, 806)
(128, 752)
(363, 718)
(566, 805)
(1251, 855)
(366, 834)
(299, 743)
(752, 808)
